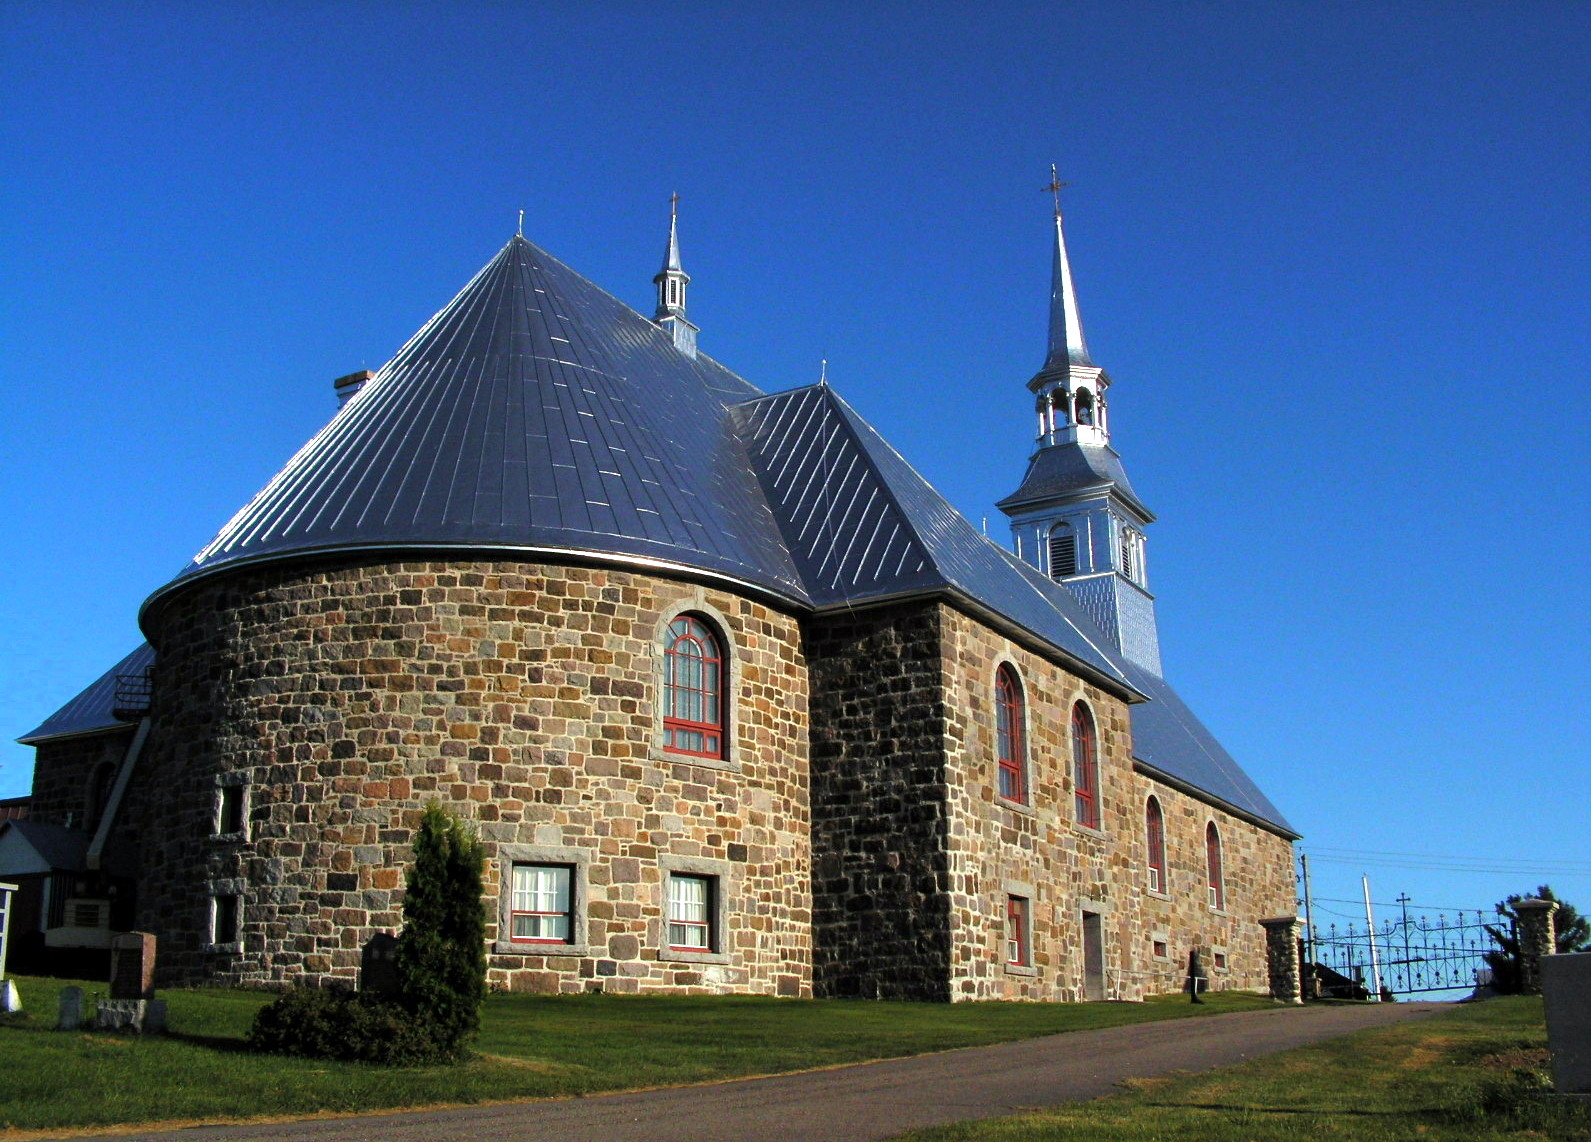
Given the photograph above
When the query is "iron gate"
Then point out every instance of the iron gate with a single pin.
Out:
(1415, 954)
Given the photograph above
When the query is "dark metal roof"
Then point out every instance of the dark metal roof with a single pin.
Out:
(537, 413)
(92, 710)
(62, 849)
(849, 537)
(534, 413)
(863, 524)
(1061, 469)
(1167, 736)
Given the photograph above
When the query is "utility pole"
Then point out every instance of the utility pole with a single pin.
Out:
(1370, 932)
(1309, 915)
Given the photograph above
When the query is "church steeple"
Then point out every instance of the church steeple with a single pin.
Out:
(1067, 346)
(1075, 517)
(671, 281)
(1070, 388)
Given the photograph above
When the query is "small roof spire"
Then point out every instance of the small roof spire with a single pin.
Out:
(671, 255)
(520, 233)
(1067, 346)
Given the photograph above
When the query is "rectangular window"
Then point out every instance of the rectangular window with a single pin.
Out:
(690, 911)
(1220, 961)
(542, 903)
(1016, 931)
(225, 920)
(229, 817)
(1162, 950)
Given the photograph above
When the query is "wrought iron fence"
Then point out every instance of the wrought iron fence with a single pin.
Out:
(1414, 954)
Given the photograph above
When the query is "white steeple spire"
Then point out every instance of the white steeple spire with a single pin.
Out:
(671, 281)
(1070, 387)
(1067, 346)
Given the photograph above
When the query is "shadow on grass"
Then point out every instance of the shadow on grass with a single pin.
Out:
(222, 1043)
(1249, 1108)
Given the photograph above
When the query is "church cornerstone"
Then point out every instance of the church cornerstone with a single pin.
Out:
(1281, 955)
(1536, 939)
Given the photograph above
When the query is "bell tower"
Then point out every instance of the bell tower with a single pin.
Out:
(1075, 517)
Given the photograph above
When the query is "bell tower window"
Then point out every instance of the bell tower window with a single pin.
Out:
(1063, 551)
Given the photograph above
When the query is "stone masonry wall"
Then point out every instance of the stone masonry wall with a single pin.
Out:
(1038, 851)
(1034, 850)
(64, 777)
(878, 804)
(1259, 883)
(522, 696)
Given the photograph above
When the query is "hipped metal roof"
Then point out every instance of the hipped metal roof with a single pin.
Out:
(536, 413)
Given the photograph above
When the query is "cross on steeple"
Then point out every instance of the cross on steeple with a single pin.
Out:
(1055, 187)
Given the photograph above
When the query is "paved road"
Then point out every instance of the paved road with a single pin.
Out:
(856, 1103)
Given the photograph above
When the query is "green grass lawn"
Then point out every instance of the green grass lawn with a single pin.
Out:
(1470, 1075)
(530, 1047)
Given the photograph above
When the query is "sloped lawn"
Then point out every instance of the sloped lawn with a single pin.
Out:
(530, 1047)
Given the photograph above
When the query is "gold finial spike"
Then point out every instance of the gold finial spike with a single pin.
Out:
(521, 231)
(1055, 188)
(673, 205)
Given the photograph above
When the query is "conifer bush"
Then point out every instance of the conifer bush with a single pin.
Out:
(440, 964)
(441, 953)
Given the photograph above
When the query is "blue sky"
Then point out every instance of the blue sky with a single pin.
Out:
(1336, 258)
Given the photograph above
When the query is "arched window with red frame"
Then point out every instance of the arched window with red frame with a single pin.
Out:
(1011, 741)
(1085, 766)
(693, 689)
(1212, 860)
(1155, 840)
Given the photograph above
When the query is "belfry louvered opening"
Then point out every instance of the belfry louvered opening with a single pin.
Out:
(1063, 552)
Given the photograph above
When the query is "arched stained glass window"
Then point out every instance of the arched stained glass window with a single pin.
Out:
(1155, 840)
(1011, 744)
(1212, 856)
(1085, 766)
(693, 687)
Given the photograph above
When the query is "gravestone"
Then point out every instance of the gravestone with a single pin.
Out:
(1566, 987)
(132, 987)
(378, 970)
(70, 1017)
(132, 966)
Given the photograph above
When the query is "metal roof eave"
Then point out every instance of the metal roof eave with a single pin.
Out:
(1015, 631)
(37, 738)
(585, 556)
(1208, 798)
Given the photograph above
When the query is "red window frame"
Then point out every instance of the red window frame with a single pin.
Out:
(1213, 863)
(1018, 952)
(1085, 766)
(704, 926)
(1011, 744)
(1155, 838)
(567, 914)
(693, 690)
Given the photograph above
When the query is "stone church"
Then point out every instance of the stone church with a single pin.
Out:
(736, 700)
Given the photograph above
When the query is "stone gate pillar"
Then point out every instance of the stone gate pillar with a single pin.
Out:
(1281, 956)
(1536, 939)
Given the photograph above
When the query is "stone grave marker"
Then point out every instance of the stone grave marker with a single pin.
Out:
(1566, 987)
(70, 1017)
(378, 971)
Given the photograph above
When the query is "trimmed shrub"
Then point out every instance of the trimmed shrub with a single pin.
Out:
(440, 963)
(327, 1023)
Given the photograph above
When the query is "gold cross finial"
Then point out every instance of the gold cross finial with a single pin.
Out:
(673, 205)
(1055, 187)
